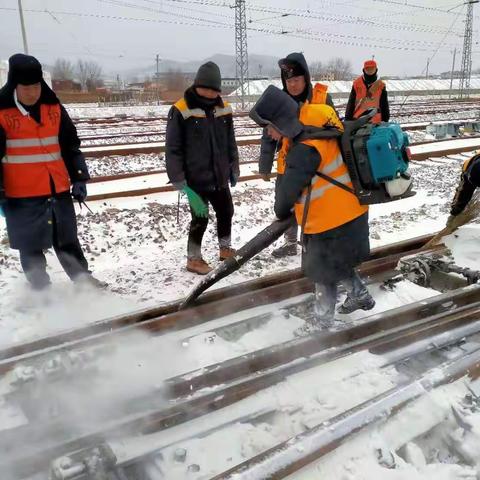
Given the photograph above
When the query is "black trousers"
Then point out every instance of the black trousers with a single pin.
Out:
(221, 201)
(70, 256)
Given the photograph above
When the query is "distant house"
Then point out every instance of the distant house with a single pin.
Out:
(66, 86)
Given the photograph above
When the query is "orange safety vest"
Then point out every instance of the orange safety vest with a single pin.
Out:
(33, 157)
(319, 96)
(329, 205)
(366, 98)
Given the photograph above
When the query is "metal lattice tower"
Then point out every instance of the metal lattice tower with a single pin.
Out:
(241, 51)
(466, 71)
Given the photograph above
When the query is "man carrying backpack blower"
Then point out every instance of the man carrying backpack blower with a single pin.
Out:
(334, 224)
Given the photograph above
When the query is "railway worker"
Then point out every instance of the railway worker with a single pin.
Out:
(469, 181)
(41, 160)
(297, 83)
(368, 91)
(202, 158)
(334, 224)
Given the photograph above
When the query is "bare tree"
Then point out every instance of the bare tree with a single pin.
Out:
(63, 69)
(175, 80)
(317, 69)
(89, 74)
(340, 69)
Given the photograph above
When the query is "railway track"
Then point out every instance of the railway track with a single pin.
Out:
(156, 181)
(220, 390)
(90, 138)
(457, 145)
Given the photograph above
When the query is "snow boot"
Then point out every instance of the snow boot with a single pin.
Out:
(198, 265)
(286, 250)
(365, 302)
(227, 252)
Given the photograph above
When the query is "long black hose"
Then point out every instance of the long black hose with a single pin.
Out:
(261, 241)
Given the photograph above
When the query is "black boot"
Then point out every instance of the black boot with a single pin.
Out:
(286, 250)
(365, 302)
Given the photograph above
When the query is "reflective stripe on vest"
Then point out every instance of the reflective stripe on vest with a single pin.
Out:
(367, 98)
(37, 158)
(33, 158)
(319, 96)
(187, 113)
(32, 142)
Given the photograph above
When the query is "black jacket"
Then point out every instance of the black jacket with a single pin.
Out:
(384, 107)
(32, 222)
(67, 136)
(465, 189)
(201, 150)
(268, 146)
(329, 256)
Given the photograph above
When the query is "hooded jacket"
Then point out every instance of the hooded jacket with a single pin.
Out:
(331, 253)
(268, 146)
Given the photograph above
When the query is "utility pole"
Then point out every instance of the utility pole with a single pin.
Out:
(453, 72)
(241, 51)
(428, 65)
(157, 79)
(157, 74)
(22, 23)
(466, 71)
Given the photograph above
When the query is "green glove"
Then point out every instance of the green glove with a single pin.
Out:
(195, 200)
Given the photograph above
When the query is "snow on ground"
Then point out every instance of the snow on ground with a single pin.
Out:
(90, 110)
(358, 458)
(137, 246)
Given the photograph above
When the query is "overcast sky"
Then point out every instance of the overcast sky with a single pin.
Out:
(123, 34)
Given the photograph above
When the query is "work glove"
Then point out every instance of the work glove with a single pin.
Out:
(79, 191)
(233, 178)
(200, 209)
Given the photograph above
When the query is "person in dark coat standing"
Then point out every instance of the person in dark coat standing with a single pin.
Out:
(297, 83)
(41, 160)
(202, 156)
(334, 224)
(368, 91)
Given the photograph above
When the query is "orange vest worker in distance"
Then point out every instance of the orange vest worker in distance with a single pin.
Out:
(368, 92)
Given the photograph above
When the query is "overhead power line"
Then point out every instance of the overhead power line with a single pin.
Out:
(322, 37)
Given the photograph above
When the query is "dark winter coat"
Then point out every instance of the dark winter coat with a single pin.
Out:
(329, 256)
(30, 220)
(268, 146)
(466, 188)
(384, 106)
(201, 150)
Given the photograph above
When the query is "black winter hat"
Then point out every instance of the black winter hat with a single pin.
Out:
(277, 108)
(24, 70)
(208, 76)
